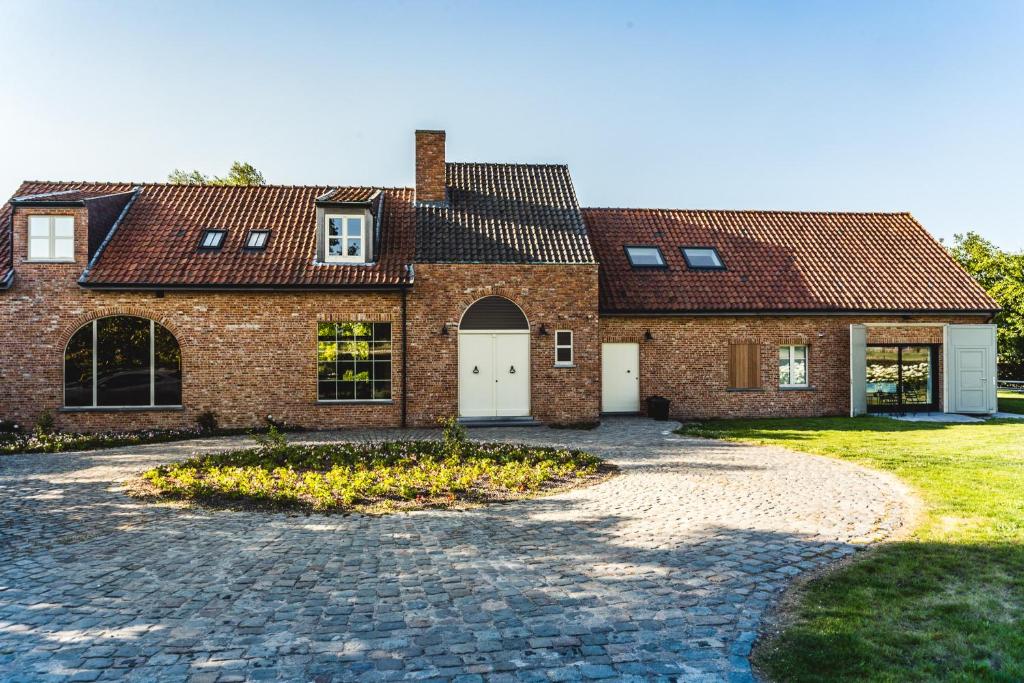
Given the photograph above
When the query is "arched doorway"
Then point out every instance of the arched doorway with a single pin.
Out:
(494, 360)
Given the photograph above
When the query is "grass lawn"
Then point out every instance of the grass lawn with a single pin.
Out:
(370, 477)
(1011, 402)
(945, 604)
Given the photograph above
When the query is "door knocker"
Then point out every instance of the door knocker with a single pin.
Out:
(512, 370)
(476, 370)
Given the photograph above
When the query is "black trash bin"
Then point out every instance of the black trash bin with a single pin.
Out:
(657, 407)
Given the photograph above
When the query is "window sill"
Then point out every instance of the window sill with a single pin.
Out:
(798, 388)
(49, 260)
(746, 391)
(117, 409)
(564, 365)
(355, 401)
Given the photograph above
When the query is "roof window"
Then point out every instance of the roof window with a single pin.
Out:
(702, 258)
(212, 239)
(645, 257)
(257, 239)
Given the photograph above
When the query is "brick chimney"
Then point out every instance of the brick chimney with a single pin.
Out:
(430, 166)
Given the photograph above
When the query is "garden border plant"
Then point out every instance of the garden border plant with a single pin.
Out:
(371, 476)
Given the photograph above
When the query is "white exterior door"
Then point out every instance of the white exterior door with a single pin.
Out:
(494, 374)
(970, 367)
(620, 378)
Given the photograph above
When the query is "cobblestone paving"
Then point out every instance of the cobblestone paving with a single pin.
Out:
(661, 573)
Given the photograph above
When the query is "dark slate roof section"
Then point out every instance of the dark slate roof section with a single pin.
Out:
(503, 213)
(780, 261)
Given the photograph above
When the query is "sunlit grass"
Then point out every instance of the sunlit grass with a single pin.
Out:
(947, 604)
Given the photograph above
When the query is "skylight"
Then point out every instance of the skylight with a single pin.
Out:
(645, 257)
(212, 239)
(702, 258)
(257, 239)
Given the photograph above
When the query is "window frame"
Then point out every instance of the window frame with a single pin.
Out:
(713, 250)
(791, 348)
(345, 258)
(390, 361)
(95, 406)
(252, 233)
(51, 239)
(661, 256)
(213, 231)
(572, 353)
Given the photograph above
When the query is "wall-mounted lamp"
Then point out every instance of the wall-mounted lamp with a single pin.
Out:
(543, 331)
(648, 336)
(444, 329)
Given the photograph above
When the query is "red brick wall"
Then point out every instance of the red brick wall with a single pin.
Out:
(559, 297)
(430, 180)
(687, 360)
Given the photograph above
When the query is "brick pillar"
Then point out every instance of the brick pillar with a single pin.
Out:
(430, 185)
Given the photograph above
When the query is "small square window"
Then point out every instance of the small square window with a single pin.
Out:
(212, 239)
(257, 239)
(645, 257)
(563, 347)
(345, 237)
(702, 258)
(51, 238)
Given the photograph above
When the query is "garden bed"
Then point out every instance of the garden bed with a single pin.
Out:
(372, 477)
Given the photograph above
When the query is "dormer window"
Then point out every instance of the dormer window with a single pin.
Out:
(257, 240)
(212, 239)
(345, 238)
(51, 238)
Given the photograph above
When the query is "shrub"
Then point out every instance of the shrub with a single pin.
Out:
(44, 424)
(207, 421)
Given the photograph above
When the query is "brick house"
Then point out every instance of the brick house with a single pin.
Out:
(484, 292)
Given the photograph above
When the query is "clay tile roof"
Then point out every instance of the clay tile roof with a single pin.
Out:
(504, 213)
(156, 242)
(779, 261)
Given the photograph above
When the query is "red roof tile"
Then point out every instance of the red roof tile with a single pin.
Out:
(779, 261)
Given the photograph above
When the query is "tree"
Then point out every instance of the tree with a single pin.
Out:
(241, 173)
(1001, 273)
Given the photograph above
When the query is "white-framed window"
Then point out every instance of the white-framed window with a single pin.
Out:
(793, 366)
(212, 239)
(51, 238)
(345, 237)
(257, 239)
(563, 347)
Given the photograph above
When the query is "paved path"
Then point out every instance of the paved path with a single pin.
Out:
(663, 572)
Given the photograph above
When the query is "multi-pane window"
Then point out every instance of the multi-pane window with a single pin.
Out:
(353, 361)
(345, 238)
(563, 347)
(212, 239)
(257, 239)
(122, 361)
(51, 238)
(792, 366)
(645, 257)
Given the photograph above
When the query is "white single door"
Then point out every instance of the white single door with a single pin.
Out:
(620, 378)
(476, 375)
(512, 372)
(972, 380)
(494, 374)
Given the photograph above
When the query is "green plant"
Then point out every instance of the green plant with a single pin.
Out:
(273, 442)
(44, 424)
(207, 421)
(453, 434)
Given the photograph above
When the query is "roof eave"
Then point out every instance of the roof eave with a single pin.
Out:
(795, 311)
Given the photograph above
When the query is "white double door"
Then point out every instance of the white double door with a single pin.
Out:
(494, 374)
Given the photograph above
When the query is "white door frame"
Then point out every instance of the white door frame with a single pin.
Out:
(494, 401)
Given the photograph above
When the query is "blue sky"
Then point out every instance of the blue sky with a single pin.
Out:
(910, 106)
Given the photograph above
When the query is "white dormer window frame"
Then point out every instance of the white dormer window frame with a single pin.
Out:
(348, 237)
(51, 238)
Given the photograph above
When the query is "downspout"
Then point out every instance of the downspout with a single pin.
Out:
(9, 280)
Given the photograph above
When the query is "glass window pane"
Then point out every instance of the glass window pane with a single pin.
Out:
(63, 226)
(335, 247)
(325, 331)
(382, 370)
(563, 354)
(327, 351)
(364, 391)
(563, 338)
(346, 391)
(382, 332)
(78, 369)
(63, 248)
(334, 227)
(122, 361)
(799, 371)
(39, 248)
(381, 390)
(354, 247)
(784, 373)
(882, 376)
(799, 352)
(702, 258)
(167, 386)
(917, 375)
(39, 226)
(326, 391)
(355, 227)
(645, 256)
(327, 371)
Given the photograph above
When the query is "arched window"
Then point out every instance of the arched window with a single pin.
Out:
(122, 361)
(494, 313)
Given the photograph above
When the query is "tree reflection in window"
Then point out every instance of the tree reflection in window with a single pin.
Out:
(122, 361)
(353, 361)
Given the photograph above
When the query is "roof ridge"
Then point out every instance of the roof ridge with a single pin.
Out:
(802, 212)
(504, 163)
(133, 183)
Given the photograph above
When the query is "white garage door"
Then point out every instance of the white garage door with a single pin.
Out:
(620, 378)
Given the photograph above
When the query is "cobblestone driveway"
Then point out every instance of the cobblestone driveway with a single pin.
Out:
(663, 572)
